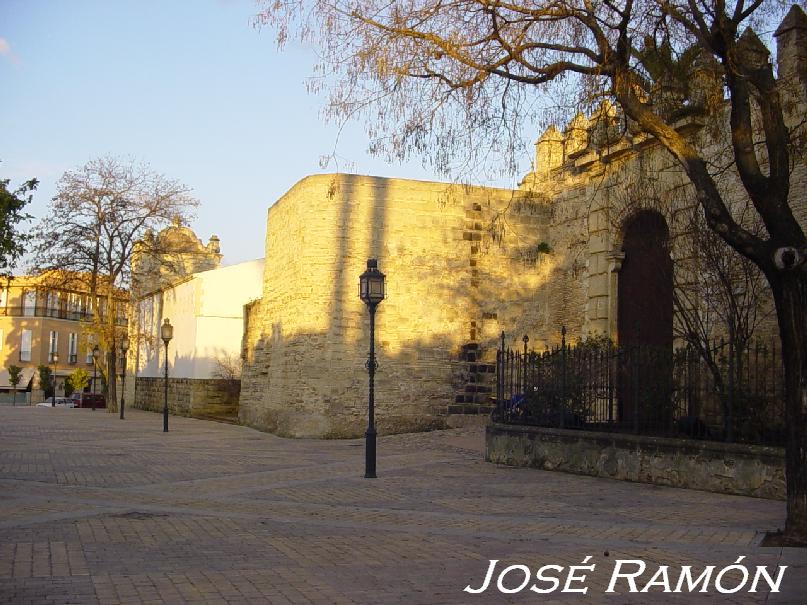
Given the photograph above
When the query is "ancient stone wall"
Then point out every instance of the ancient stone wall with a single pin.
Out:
(464, 264)
(448, 262)
(595, 174)
(199, 398)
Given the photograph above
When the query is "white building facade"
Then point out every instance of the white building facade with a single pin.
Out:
(206, 310)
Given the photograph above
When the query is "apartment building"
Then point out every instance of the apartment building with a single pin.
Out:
(48, 322)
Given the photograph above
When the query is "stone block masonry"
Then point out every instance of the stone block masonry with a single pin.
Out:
(446, 265)
(198, 398)
(465, 263)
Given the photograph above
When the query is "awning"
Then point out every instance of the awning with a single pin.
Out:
(25, 378)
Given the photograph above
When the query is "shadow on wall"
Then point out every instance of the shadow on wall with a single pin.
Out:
(311, 394)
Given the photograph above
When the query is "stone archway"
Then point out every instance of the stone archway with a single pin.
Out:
(645, 322)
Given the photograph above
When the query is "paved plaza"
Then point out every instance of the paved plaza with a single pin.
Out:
(98, 510)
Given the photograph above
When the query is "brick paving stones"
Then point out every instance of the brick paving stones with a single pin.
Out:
(100, 511)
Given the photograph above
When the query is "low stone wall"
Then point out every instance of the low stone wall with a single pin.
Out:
(727, 468)
(188, 396)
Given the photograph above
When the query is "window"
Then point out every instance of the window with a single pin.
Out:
(25, 346)
(120, 310)
(88, 359)
(29, 303)
(3, 297)
(73, 306)
(1, 339)
(72, 347)
(53, 302)
(54, 344)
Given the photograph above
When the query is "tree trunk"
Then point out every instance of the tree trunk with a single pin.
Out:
(790, 294)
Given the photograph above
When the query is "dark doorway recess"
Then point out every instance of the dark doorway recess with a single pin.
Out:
(645, 320)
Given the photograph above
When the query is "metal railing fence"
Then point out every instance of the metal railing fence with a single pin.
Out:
(736, 395)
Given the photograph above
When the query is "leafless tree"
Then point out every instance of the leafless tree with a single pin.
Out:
(452, 80)
(100, 212)
(228, 370)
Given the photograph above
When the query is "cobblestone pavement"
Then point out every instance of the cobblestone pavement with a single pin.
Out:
(98, 510)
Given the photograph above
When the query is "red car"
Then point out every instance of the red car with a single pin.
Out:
(89, 400)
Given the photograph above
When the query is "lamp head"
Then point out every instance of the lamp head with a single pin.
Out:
(166, 331)
(371, 284)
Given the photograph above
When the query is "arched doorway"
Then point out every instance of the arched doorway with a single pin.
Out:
(645, 323)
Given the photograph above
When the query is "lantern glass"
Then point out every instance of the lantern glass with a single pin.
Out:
(166, 331)
(96, 352)
(55, 357)
(371, 284)
(124, 344)
(377, 289)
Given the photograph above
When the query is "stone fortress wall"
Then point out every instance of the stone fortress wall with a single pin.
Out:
(598, 173)
(463, 264)
(307, 339)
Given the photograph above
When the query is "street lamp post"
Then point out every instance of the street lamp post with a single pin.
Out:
(124, 348)
(371, 292)
(166, 333)
(96, 353)
(55, 359)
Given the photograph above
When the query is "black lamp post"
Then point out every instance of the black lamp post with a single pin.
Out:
(371, 291)
(96, 353)
(124, 348)
(166, 333)
(55, 359)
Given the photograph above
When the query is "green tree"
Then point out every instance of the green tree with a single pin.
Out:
(14, 376)
(46, 381)
(78, 381)
(12, 241)
(453, 81)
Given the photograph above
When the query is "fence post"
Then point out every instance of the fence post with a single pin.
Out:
(636, 390)
(500, 377)
(730, 406)
(611, 360)
(562, 376)
(511, 358)
(774, 367)
(526, 339)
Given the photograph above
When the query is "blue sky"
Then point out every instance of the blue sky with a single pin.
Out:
(192, 88)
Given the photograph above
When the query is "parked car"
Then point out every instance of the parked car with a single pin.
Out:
(57, 402)
(89, 400)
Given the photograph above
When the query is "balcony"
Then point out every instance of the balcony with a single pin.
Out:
(54, 313)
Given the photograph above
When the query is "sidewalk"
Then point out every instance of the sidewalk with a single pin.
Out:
(98, 510)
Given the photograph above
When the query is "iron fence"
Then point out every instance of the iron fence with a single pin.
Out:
(730, 393)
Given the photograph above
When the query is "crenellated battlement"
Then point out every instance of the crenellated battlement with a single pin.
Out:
(606, 131)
